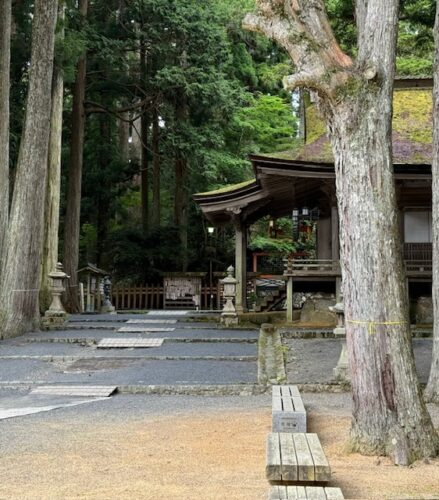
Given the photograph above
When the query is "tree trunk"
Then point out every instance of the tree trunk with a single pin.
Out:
(144, 163)
(432, 390)
(5, 58)
(103, 201)
(124, 135)
(21, 273)
(155, 169)
(73, 209)
(53, 189)
(389, 415)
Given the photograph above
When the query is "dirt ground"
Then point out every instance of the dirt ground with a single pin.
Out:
(210, 456)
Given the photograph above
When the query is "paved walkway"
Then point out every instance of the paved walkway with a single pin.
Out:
(196, 356)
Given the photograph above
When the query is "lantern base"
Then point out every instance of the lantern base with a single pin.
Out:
(53, 320)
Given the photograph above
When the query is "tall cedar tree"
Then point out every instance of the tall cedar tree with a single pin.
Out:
(21, 276)
(355, 96)
(5, 59)
(73, 210)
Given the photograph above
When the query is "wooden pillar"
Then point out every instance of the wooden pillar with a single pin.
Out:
(241, 265)
(290, 307)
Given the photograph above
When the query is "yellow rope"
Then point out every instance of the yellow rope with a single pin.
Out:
(371, 325)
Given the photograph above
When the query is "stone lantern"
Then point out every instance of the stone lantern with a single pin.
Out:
(56, 314)
(341, 371)
(229, 316)
(107, 306)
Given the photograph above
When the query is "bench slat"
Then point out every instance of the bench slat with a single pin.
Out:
(298, 404)
(305, 462)
(315, 493)
(276, 391)
(278, 493)
(277, 403)
(321, 466)
(304, 493)
(334, 494)
(294, 391)
(301, 492)
(288, 457)
(274, 466)
(288, 404)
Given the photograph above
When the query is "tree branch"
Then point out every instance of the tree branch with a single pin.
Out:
(302, 28)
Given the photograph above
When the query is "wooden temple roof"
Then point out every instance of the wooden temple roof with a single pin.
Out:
(304, 176)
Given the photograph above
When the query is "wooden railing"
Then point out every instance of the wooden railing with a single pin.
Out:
(296, 267)
(151, 297)
(417, 251)
(418, 267)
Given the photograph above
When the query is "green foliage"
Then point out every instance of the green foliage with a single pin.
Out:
(266, 125)
(283, 246)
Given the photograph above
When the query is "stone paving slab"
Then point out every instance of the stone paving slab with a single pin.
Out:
(30, 404)
(101, 391)
(126, 372)
(128, 343)
(144, 329)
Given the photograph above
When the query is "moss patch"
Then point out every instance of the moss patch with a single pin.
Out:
(229, 188)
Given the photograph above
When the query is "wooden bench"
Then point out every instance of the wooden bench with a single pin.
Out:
(296, 458)
(288, 412)
(304, 493)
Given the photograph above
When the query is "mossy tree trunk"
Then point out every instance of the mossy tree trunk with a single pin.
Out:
(5, 59)
(432, 390)
(53, 191)
(389, 414)
(72, 224)
(21, 274)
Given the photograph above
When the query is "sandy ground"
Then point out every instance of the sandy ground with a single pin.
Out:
(213, 455)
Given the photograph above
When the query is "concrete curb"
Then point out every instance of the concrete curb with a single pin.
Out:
(194, 390)
(139, 358)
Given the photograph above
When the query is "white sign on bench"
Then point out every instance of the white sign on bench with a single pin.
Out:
(288, 412)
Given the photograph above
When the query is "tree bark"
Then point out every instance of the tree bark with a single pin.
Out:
(21, 275)
(432, 390)
(73, 210)
(144, 161)
(155, 169)
(389, 414)
(5, 59)
(53, 189)
(180, 194)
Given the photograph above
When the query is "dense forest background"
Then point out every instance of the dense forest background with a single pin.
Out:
(176, 97)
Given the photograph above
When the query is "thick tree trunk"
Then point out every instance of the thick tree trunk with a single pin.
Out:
(20, 280)
(155, 169)
(389, 415)
(73, 210)
(432, 390)
(53, 190)
(5, 58)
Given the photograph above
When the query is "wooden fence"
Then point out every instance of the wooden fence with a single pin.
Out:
(151, 297)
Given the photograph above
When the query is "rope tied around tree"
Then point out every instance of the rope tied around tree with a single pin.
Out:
(372, 325)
